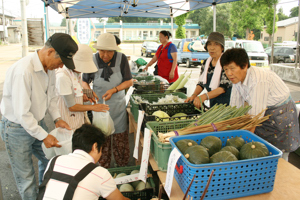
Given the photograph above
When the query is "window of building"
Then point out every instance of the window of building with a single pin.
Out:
(193, 33)
(151, 33)
(266, 38)
(157, 33)
(279, 39)
(145, 35)
(96, 34)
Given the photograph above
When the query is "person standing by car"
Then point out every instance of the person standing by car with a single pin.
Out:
(28, 93)
(263, 89)
(166, 57)
(213, 78)
(109, 83)
(69, 89)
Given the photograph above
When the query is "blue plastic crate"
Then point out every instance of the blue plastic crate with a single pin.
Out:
(231, 179)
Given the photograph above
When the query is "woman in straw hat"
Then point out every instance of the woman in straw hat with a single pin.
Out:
(213, 78)
(109, 83)
(69, 89)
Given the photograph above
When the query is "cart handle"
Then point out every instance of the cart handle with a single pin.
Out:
(179, 169)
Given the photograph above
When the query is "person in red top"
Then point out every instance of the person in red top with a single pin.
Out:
(166, 57)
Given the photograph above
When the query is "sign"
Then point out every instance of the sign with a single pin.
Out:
(128, 94)
(137, 136)
(84, 31)
(174, 156)
(145, 156)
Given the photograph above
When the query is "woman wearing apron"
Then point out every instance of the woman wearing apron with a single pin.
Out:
(263, 89)
(109, 83)
(69, 89)
(213, 78)
(166, 57)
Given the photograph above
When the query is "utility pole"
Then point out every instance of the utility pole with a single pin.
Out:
(4, 24)
(273, 33)
(24, 29)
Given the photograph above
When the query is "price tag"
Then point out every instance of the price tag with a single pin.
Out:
(145, 156)
(128, 94)
(127, 179)
(174, 156)
(137, 136)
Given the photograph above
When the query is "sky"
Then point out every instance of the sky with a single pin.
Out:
(35, 8)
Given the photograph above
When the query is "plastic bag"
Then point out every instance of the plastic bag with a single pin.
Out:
(140, 62)
(104, 121)
(64, 137)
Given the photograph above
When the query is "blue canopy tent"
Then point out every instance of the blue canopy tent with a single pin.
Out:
(130, 8)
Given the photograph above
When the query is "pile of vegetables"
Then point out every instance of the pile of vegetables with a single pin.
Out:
(134, 186)
(210, 150)
(219, 118)
(179, 83)
(168, 99)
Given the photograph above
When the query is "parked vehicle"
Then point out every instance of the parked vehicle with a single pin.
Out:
(149, 48)
(229, 44)
(255, 51)
(281, 54)
(191, 52)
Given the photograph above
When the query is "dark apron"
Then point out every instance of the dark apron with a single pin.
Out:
(72, 180)
(282, 128)
(221, 99)
(117, 102)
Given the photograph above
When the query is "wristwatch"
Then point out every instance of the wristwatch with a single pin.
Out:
(56, 120)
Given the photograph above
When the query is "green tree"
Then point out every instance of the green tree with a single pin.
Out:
(199, 16)
(269, 17)
(63, 22)
(224, 25)
(281, 15)
(294, 12)
(247, 15)
(180, 21)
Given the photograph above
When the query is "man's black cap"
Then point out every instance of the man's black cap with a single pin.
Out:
(65, 46)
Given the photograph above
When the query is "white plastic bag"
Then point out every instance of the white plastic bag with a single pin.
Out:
(104, 121)
(64, 138)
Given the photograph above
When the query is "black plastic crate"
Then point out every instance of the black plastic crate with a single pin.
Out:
(145, 194)
(162, 90)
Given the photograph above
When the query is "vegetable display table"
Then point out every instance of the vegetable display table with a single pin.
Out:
(286, 185)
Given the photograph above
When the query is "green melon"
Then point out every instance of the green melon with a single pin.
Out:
(126, 188)
(213, 144)
(161, 114)
(236, 142)
(142, 186)
(182, 145)
(135, 183)
(233, 150)
(253, 150)
(197, 154)
(180, 116)
(121, 175)
(223, 156)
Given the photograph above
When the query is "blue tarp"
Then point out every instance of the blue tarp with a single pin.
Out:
(128, 8)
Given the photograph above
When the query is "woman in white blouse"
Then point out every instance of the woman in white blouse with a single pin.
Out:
(262, 88)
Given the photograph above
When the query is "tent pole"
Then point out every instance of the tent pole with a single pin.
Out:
(298, 38)
(172, 28)
(215, 16)
(273, 33)
(24, 29)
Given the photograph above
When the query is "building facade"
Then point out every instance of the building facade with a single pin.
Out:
(286, 31)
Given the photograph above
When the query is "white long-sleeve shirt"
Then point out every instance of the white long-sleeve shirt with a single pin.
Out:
(260, 89)
(28, 92)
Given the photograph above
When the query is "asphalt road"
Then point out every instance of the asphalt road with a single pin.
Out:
(13, 52)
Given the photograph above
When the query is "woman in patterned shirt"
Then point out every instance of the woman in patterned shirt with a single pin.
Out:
(213, 78)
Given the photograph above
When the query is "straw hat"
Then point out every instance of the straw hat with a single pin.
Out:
(106, 41)
(83, 59)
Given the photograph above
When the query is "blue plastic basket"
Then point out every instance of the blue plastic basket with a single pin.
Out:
(231, 179)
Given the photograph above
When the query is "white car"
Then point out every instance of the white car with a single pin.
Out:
(255, 51)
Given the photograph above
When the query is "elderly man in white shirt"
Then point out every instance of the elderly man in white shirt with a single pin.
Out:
(263, 89)
(28, 93)
(76, 176)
